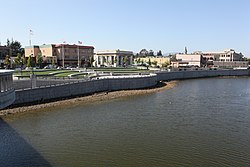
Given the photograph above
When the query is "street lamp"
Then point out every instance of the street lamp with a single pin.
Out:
(78, 55)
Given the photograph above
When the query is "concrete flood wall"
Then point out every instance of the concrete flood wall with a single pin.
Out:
(166, 76)
(83, 88)
(116, 83)
(7, 98)
(26, 83)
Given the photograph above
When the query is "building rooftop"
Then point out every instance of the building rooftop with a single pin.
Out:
(32, 46)
(59, 45)
(73, 46)
(114, 52)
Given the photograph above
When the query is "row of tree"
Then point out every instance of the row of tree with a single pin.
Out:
(150, 63)
(145, 53)
(15, 50)
(21, 61)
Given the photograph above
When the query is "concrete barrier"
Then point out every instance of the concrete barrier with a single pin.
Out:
(7, 98)
(7, 93)
(176, 75)
(83, 88)
(113, 83)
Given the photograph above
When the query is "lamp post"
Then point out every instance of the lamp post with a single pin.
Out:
(63, 55)
(21, 62)
(78, 55)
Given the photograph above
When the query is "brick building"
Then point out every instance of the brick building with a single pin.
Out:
(62, 54)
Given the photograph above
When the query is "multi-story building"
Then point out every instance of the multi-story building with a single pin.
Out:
(62, 54)
(226, 58)
(76, 55)
(187, 60)
(4, 50)
(113, 58)
(228, 55)
(32, 51)
(46, 51)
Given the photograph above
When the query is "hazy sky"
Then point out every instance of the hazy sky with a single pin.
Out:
(167, 25)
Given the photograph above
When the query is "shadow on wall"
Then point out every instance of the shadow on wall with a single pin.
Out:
(15, 151)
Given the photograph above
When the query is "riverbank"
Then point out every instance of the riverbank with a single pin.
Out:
(99, 97)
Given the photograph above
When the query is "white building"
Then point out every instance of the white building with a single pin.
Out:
(189, 59)
(227, 55)
(113, 58)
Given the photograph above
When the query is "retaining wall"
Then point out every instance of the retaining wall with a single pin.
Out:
(7, 98)
(84, 88)
(7, 93)
(26, 83)
(166, 76)
(116, 83)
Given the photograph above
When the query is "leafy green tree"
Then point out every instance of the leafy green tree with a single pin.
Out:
(18, 60)
(126, 61)
(39, 60)
(21, 51)
(143, 53)
(154, 63)
(138, 60)
(165, 64)
(159, 53)
(7, 61)
(23, 60)
(29, 62)
(151, 53)
(15, 47)
(91, 61)
(8, 42)
(149, 62)
(186, 51)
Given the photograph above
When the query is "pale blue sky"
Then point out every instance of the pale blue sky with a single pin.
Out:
(169, 25)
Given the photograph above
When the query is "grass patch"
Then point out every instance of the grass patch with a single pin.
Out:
(28, 72)
(37, 72)
(66, 74)
(121, 70)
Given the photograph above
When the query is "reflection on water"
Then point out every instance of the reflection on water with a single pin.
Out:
(203, 122)
(15, 151)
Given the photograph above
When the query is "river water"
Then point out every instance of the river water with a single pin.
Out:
(203, 122)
